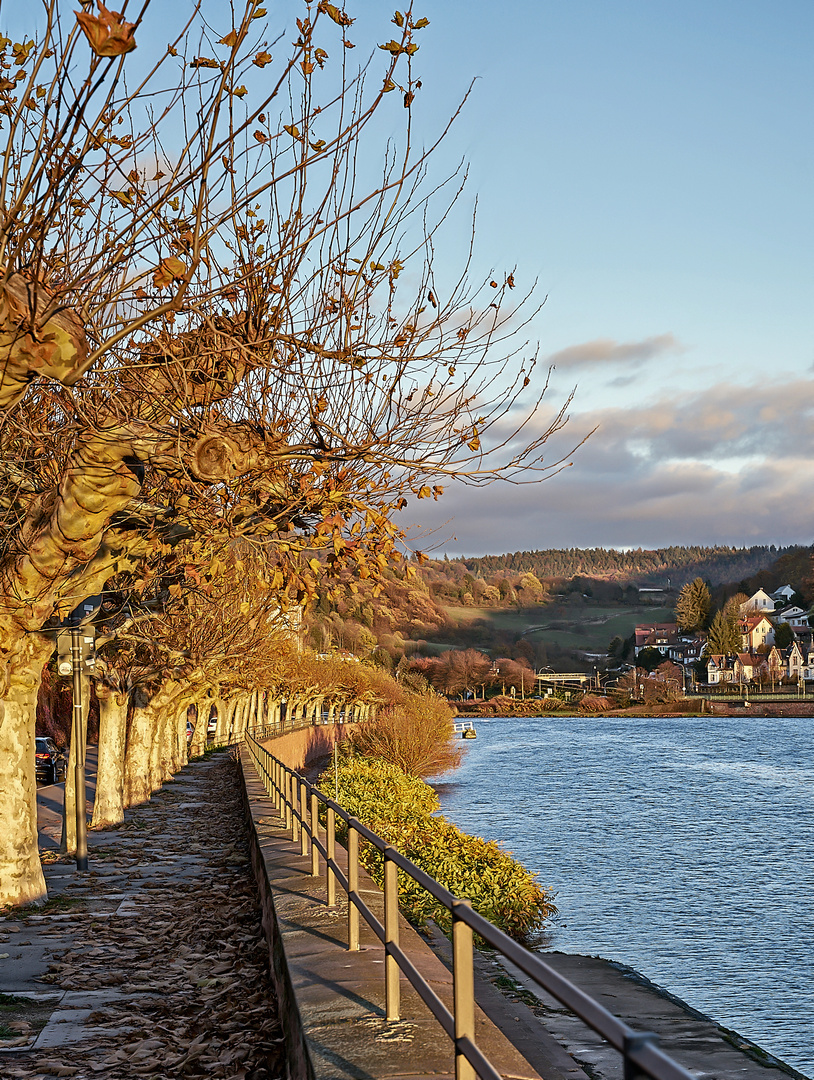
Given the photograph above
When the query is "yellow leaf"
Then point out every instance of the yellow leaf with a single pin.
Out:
(398, 19)
(475, 444)
(262, 59)
(333, 12)
(240, 92)
(107, 32)
(292, 130)
(204, 62)
(167, 271)
(315, 565)
(259, 13)
(230, 39)
(424, 493)
(421, 24)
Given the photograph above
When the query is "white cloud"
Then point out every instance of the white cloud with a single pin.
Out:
(727, 465)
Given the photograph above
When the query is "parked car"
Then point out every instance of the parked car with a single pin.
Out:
(211, 727)
(190, 730)
(50, 761)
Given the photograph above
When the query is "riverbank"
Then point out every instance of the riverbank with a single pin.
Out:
(538, 708)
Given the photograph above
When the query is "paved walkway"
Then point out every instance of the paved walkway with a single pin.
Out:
(154, 963)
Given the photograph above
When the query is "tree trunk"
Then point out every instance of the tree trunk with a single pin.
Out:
(198, 745)
(108, 807)
(21, 877)
(67, 843)
(137, 757)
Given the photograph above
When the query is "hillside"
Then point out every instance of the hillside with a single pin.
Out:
(505, 608)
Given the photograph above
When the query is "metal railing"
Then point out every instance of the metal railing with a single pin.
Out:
(298, 801)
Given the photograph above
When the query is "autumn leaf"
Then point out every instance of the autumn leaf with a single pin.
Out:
(230, 39)
(204, 62)
(167, 271)
(335, 13)
(393, 47)
(240, 92)
(262, 59)
(510, 281)
(421, 24)
(292, 130)
(398, 19)
(424, 493)
(107, 32)
(493, 284)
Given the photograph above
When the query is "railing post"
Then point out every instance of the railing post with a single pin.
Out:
(353, 887)
(463, 976)
(295, 796)
(314, 835)
(288, 796)
(633, 1042)
(391, 937)
(330, 847)
(303, 801)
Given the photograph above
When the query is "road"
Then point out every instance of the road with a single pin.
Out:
(50, 798)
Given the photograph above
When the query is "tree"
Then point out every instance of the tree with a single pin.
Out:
(724, 636)
(207, 333)
(692, 606)
(783, 636)
(649, 659)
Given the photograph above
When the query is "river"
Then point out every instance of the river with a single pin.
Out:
(683, 847)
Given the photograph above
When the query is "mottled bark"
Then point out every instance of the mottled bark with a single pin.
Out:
(21, 877)
(137, 756)
(108, 806)
(198, 744)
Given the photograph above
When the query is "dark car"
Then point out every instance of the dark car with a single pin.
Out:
(50, 761)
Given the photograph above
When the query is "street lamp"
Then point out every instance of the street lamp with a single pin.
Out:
(76, 654)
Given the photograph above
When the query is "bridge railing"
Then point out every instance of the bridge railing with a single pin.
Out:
(298, 803)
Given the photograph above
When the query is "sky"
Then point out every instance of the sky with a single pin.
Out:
(650, 165)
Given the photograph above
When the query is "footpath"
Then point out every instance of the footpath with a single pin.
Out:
(154, 963)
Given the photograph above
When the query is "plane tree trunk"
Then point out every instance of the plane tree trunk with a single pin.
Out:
(21, 877)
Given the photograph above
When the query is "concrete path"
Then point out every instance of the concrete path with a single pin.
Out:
(154, 963)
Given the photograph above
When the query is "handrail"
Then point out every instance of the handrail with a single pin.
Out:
(298, 800)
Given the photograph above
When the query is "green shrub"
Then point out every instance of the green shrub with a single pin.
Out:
(403, 811)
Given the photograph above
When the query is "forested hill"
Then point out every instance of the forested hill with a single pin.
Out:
(677, 565)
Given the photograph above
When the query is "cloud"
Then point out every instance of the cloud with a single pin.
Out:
(606, 351)
(731, 464)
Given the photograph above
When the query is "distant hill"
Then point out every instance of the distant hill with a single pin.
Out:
(659, 566)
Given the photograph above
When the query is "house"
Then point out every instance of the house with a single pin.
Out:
(720, 669)
(760, 601)
(784, 594)
(794, 661)
(746, 667)
(661, 636)
(794, 616)
(757, 630)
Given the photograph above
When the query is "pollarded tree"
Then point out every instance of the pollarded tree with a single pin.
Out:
(692, 606)
(207, 330)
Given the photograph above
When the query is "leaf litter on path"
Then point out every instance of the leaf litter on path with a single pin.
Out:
(187, 969)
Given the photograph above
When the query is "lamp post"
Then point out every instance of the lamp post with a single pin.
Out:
(76, 655)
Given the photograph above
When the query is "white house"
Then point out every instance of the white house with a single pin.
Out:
(760, 601)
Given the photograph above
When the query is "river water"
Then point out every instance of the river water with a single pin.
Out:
(683, 847)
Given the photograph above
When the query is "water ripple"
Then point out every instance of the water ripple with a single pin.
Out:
(681, 846)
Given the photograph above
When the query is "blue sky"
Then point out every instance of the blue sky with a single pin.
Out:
(650, 163)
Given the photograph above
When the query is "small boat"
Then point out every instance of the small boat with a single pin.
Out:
(466, 729)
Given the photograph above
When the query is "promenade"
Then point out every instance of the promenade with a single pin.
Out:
(153, 964)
